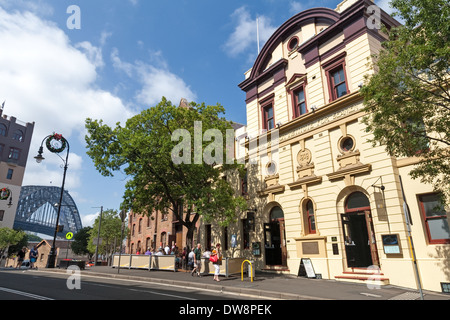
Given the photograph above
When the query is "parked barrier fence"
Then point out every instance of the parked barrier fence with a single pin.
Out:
(149, 262)
(152, 262)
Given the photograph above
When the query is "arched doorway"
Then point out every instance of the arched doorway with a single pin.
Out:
(359, 236)
(275, 239)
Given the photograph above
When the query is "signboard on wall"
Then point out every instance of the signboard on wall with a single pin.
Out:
(391, 244)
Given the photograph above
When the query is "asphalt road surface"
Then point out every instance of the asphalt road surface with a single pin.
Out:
(31, 285)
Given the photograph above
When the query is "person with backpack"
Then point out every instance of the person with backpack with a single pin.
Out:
(33, 256)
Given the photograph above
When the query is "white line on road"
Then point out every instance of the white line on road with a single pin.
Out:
(26, 294)
(371, 295)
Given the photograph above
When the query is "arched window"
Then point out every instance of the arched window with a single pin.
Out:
(18, 135)
(276, 213)
(140, 226)
(310, 217)
(357, 201)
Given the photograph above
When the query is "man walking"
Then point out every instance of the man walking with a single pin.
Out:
(197, 260)
(33, 256)
(20, 257)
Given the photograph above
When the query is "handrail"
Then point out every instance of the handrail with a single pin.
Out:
(242, 270)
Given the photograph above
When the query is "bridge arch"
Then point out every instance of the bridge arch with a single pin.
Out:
(37, 211)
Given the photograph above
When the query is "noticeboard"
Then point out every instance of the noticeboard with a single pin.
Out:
(391, 243)
(306, 268)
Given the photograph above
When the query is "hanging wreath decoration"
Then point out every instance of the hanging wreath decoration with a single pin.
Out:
(56, 143)
(5, 193)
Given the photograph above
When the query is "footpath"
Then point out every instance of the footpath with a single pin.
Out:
(266, 285)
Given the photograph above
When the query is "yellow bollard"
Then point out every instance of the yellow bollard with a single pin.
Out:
(242, 270)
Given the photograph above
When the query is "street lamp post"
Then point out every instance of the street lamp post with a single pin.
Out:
(55, 143)
(98, 235)
(123, 215)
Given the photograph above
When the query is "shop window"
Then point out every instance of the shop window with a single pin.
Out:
(435, 218)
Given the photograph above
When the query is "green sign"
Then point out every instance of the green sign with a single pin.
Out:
(69, 235)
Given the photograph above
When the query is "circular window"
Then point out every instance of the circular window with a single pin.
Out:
(347, 144)
(271, 168)
(293, 43)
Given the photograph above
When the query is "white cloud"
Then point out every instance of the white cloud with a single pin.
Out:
(46, 79)
(244, 37)
(94, 54)
(155, 79)
(37, 6)
(89, 219)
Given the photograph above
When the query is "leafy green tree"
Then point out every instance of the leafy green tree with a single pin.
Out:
(110, 232)
(166, 170)
(10, 238)
(408, 98)
(23, 242)
(80, 242)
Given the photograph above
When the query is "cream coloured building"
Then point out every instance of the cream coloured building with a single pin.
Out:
(319, 189)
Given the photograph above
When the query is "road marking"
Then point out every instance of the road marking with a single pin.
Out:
(162, 294)
(371, 295)
(26, 294)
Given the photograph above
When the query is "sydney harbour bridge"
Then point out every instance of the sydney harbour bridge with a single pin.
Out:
(37, 211)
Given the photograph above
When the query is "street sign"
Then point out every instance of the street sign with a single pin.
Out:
(69, 235)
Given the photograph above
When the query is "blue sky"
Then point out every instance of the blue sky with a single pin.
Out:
(127, 54)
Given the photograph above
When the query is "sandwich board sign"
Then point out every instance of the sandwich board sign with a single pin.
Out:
(306, 268)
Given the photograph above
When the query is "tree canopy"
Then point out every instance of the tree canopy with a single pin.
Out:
(174, 158)
(408, 98)
(110, 233)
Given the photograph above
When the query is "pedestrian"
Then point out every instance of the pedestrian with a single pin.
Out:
(33, 256)
(216, 257)
(183, 258)
(21, 256)
(148, 252)
(191, 259)
(197, 260)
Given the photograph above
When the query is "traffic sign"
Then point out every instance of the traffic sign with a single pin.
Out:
(69, 235)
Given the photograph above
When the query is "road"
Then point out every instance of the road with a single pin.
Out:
(32, 285)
